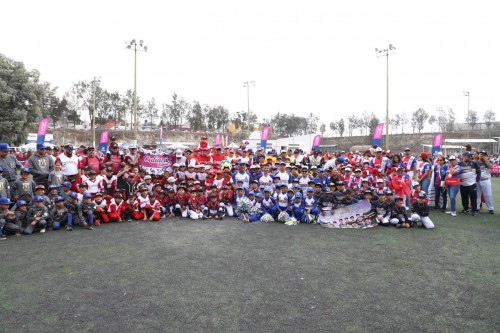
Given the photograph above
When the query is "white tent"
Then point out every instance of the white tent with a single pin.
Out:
(177, 145)
(233, 145)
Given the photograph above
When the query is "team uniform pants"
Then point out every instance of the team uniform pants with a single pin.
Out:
(105, 217)
(154, 216)
(469, 192)
(438, 193)
(36, 227)
(453, 191)
(195, 215)
(12, 228)
(425, 220)
(484, 188)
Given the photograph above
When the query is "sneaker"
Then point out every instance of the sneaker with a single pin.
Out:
(464, 211)
(449, 212)
(90, 227)
(453, 213)
(97, 223)
(3, 237)
(129, 220)
(474, 214)
(491, 212)
(69, 228)
(42, 231)
(162, 217)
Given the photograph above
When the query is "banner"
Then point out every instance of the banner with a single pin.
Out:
(377, 134)
(345, 216)
(496, 169)
(316, 142)
(263, 138)
(43, 126)
(217, 140)
(103, 142)
(161, 136)
(436, 143)
(156, 163)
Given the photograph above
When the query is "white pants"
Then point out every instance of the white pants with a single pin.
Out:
(382, 219)
(425, 220)
(195, 215)
(484, 187)
(184, 213)
(393, 221)
(229, 209)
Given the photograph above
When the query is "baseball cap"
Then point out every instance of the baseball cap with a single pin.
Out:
(4, 147)
(41, 146)
(467, 153)
(452, 157)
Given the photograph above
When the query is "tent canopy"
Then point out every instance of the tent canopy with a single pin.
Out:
(470, 140)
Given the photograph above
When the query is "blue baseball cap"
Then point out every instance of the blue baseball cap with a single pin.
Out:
(40, 146)
(38, 198)
(67, 184)
(5, 201)
(4, 147)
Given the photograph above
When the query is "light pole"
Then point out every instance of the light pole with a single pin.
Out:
(247, 84)
(467, 93)
(133, 45)
(385, 52)
(94, 86)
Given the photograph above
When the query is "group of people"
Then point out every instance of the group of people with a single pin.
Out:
(64, 188)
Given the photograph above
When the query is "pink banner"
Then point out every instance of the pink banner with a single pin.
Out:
(379, 130)
(104, 137)
(437, 140)
(217, 140)
(156, 163)
(316, 141)
(495, 170)
(43, 126)
(265, 133)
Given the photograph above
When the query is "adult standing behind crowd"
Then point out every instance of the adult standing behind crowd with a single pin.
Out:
(9, 163)
(69, 163)
(40, 165)
(484, 184)
(91, 160)
(470, 174)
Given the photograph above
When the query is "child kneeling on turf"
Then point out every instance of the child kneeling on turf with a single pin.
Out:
(213, 208)
(399, 218)
(420, 211)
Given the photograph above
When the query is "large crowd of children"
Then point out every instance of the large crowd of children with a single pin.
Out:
(61, 189)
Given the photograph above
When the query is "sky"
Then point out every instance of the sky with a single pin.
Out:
(304, 56)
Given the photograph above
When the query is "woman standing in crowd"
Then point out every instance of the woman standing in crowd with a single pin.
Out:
(424, 172)
(452, 182)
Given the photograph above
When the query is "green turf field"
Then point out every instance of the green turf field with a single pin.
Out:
(227, 276)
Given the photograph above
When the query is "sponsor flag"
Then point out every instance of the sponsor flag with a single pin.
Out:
(263, 137)
(103, 142)
(43, 126)
(436, 143)
(377, 134)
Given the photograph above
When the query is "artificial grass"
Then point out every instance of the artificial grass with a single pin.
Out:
(226, 276)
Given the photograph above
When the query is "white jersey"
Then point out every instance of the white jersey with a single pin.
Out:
(304, 181)
(219, 183)
(284, 176)
(244, 177)
(310, 202)
(143, 201)
(93, 186)
(266, 180)
(283, 200)
(69, 164)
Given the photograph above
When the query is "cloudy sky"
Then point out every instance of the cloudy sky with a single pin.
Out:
(304, 56)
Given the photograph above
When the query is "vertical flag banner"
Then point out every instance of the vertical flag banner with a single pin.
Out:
(161, 136)
(263, 137)
(43, 126)
(436, 143)
(316, 142)
(103, 142)
(377, 134)
(227, 140)
(217, 140)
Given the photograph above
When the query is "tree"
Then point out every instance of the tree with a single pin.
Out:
(442, 119)
(196, 117)
(418, 119)
(333, 126)
(432, 119)
(322, 129)
(218, 117)
(21, 100)
(241, 121)
(352, 124)
(341, 126)
(174, 113)
(150, 111)
(489, 118)
(451, 120)
(395, 122)
(372, 123)
(81, 97)
(404, 120)
(472, 118)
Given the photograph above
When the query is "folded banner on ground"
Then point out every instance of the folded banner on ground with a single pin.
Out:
(156, 163)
